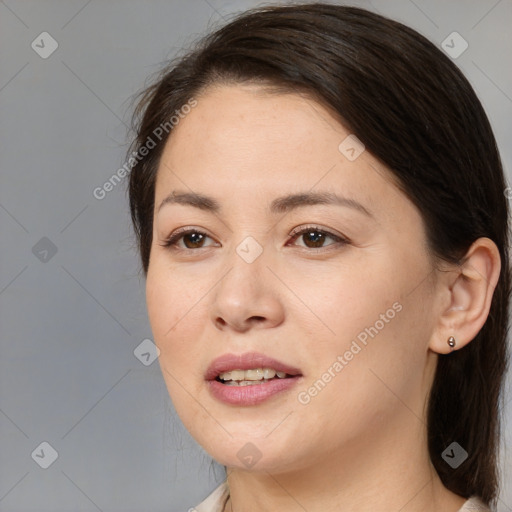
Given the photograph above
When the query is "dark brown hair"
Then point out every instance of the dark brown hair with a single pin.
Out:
(414, 111)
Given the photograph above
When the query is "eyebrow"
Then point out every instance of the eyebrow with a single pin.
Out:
(282, 204)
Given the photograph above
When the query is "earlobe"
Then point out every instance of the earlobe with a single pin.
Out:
(470, 295)
(451, 342)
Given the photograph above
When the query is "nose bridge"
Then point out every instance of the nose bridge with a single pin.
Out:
(247, 266)
(249, 250)
(246, 290)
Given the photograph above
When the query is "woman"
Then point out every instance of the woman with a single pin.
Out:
(319, 206)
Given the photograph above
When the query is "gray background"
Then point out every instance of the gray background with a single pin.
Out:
(70, 321)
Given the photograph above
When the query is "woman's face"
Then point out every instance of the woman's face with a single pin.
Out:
(349, 303)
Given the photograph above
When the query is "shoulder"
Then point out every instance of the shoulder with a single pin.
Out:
(474, 504)
(215, 501)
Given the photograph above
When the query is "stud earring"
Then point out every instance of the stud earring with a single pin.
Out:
(451, 342)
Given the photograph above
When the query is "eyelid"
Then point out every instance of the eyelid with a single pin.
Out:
(175, 236)
(314, 227)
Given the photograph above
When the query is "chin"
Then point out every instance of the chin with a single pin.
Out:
(255, 455)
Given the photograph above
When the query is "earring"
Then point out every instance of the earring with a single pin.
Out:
(451, 342)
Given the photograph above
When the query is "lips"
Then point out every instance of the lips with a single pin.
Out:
(246, 361)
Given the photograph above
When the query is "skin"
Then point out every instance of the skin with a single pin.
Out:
(360, 443)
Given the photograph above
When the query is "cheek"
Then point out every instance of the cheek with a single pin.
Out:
(364, 323)
(170, 294)
(339, 300)
(171, 311)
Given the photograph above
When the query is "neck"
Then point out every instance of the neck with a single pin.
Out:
(392, 472)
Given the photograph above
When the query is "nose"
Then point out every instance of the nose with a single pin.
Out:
(248, 296)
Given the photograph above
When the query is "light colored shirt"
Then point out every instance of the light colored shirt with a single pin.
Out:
(217, 499)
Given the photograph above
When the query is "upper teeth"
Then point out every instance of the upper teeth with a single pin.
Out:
(256, 374)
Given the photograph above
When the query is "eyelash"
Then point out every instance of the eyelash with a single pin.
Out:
(171, 241)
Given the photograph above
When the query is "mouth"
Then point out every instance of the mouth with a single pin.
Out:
(249, 369)
(251, 377)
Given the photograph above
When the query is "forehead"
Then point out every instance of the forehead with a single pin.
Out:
(236, 118)
(241, 138)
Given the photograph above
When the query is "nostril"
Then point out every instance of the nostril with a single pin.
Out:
(221, 322)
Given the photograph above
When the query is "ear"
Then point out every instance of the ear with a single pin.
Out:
(467, 292)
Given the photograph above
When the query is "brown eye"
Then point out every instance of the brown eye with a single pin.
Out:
(196, 240)
(314, 238)
(192, 239)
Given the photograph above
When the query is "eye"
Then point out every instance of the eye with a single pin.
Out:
(192, 238)
(314, 237)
